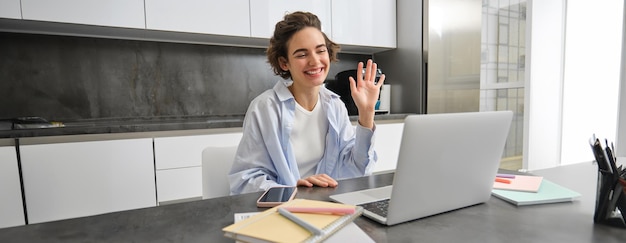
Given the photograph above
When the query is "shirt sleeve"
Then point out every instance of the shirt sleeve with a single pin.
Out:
(364, 146)
(252, 169)
(262, 156)
(350, 148)
(361, 157)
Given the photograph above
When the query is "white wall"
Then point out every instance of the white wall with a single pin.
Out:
(564, 110)
(543, 87)
(592, 73)
(620, 145)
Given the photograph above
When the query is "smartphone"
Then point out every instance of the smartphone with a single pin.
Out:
(276, 196)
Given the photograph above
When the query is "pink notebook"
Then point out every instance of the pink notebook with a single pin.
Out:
(522, 183)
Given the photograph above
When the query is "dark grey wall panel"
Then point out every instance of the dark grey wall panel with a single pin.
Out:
(405, 64)
(67, 78)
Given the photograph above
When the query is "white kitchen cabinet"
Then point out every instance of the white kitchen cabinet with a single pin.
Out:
(178, 162)
(363, 27)
(12, 210)
(179, 184)
(75, 179)
(115, 13)
(264, 14)
(186, 151)
(364, 23)
(387, 145)
(10, 9)
(230, 18)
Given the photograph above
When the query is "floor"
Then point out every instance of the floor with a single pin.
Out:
(511, 163)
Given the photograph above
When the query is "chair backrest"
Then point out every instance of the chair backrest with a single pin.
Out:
(216, 163)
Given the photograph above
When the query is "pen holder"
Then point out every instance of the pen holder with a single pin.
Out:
(610, 200)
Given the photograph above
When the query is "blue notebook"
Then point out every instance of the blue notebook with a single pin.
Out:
(548, 192)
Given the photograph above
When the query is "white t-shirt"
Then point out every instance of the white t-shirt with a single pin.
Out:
(308, 138)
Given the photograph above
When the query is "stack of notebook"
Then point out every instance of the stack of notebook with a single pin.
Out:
(523, 190)
(306, 221)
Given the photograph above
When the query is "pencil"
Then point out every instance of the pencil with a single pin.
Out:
(299, 221)
(320, 210)
(505, 176)
(503, 180)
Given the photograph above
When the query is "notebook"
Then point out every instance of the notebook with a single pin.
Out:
(524, 183)
(549, 192)
(270, 226)
(348, 233)
(445, 162)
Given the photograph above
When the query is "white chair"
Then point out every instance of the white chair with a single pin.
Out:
(216, 163)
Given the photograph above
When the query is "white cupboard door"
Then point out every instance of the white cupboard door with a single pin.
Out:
(177, 184)
(67, 180)
(387, 145)
(364, 23)
(230, 18)
(10, 9)
(186, 151)
(178, 163)
(12, 210)
(264, 14)
(116, 13)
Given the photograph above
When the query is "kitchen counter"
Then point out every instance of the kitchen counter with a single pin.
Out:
(152, 124)
(492, 221)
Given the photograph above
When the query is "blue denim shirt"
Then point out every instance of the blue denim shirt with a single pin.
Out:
(265, 157)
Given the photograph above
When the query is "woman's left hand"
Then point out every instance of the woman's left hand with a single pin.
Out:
(365, 92)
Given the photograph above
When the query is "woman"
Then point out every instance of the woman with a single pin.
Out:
(299, 132)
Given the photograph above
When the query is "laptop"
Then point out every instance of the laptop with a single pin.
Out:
(446, 162)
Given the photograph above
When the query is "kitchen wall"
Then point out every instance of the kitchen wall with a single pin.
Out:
(67, 78)
(573, 80)
(403, 66)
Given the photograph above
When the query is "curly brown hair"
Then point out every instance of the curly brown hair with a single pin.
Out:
(283, 32)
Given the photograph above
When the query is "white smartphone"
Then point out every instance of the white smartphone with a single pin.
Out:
(276, 196)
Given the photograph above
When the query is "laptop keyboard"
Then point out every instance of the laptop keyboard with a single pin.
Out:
(377, 207)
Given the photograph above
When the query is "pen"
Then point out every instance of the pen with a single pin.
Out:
(599, 154)
(320, 210)
(503, 180)
(506, 176)
(299, 221)
(613, 149)
(609, 155)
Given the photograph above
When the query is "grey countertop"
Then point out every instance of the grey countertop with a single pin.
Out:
(149, 124)
(493, 221)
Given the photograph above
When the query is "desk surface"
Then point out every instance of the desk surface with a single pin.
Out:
(493, 221)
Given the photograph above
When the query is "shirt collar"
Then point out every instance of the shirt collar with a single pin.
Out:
(282, 91)
(284, 94)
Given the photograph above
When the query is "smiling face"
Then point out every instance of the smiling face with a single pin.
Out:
(307, 58)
